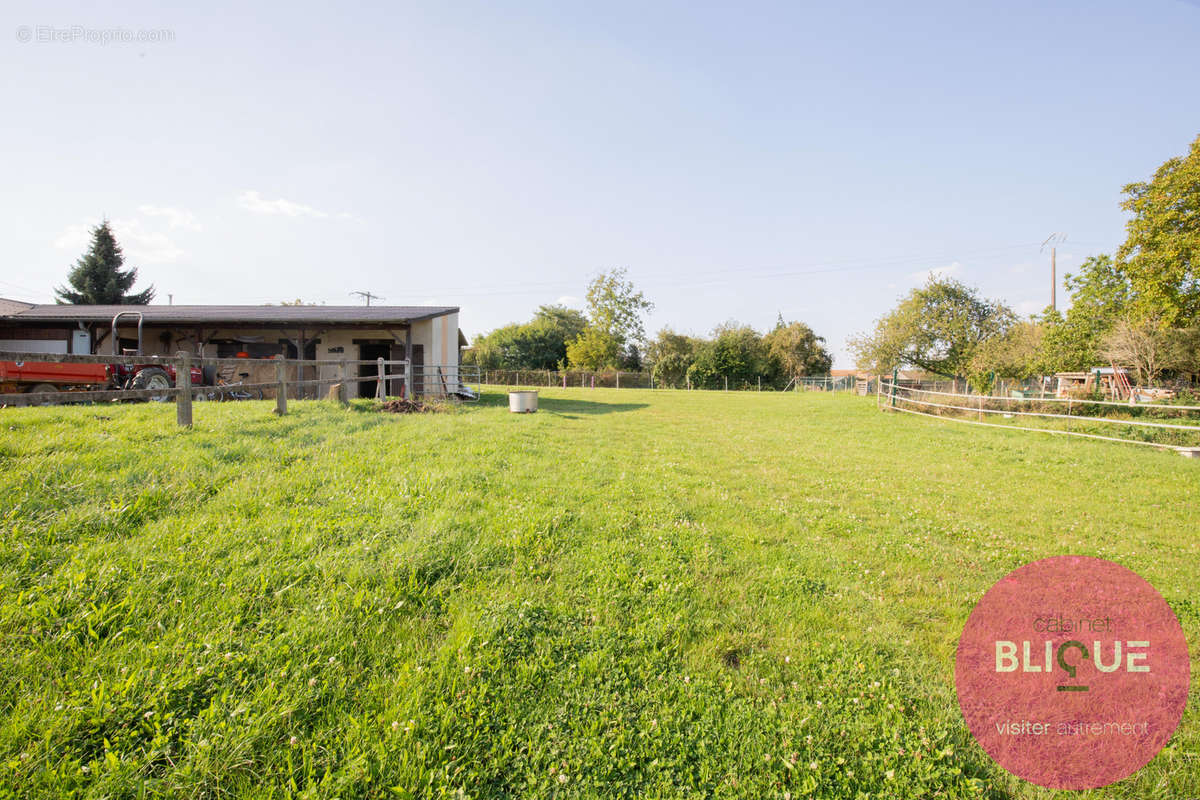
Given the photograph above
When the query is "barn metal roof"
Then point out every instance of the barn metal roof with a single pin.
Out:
(13, 306)
(227, 315)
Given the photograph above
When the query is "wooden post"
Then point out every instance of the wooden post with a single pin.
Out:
(618, 379)
(300, 367)
(183, 382)
(281, 388)
(380, 394)
(727, 383)
(408, 379)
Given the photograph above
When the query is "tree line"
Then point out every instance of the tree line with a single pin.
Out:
(611, 336)
(1138, 308)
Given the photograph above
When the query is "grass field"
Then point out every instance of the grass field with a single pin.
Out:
(628, 594)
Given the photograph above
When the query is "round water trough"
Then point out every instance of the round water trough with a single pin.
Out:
(523, 402)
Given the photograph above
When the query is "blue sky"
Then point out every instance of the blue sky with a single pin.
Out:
(740, 160)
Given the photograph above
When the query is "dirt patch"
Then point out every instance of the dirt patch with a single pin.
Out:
(403, 406)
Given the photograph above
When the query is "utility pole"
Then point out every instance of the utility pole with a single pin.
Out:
(367, 296)
(1053, 240)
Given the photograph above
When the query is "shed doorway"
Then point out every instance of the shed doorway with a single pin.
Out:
(369, 351)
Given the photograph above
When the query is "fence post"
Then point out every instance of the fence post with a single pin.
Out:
(618, 379)
(281, 389)
(380, 393)
(564, 379)
(408, 379)
(183, 382)
(760, 383)
(727, 383)
(895, 376)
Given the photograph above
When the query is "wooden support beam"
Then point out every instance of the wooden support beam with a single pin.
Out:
(183, 382)
(281, 387)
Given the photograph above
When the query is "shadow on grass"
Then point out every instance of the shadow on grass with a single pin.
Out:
(565, 408)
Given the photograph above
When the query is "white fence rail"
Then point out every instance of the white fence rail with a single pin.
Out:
(961, 408)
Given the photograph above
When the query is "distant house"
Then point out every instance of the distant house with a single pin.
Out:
(1107, 380)
(904, 375)
(428, 336)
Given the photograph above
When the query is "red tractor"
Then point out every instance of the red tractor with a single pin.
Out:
(44, 377)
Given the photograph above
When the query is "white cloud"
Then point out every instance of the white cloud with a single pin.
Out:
(76, 237)
(253, 201)
(570, 301)
(921, 276)
(140, 244)
(176, 217)
(1027, 307)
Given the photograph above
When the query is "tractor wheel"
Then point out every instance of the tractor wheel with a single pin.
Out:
(44, 388)
(154, 379)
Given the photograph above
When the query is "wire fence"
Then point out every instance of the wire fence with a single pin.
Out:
(620, 379)
(1173, 426)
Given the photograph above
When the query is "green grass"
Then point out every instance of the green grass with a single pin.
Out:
(628, 594)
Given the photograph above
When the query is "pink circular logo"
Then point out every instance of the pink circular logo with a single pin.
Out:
(1072, 672)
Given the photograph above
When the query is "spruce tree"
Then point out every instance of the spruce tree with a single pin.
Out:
(97, 277)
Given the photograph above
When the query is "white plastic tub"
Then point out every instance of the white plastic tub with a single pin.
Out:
(524, 402)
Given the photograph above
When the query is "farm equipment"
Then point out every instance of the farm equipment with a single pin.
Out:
(45, 377)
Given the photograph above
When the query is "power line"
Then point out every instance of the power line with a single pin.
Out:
(368, 296)
(734, 273)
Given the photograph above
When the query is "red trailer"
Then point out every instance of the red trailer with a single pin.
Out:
(50, 376)
(54, 376)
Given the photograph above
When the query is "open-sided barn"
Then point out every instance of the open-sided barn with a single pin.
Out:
(428, 336)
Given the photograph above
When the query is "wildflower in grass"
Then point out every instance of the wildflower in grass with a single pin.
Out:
(563, 777)
(312, 681)
(292, 741)
(813, 765)
(890, 774)
(395, 724)
(876, 684)
(787, 659)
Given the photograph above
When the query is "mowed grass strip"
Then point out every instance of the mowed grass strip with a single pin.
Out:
(628, 594)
